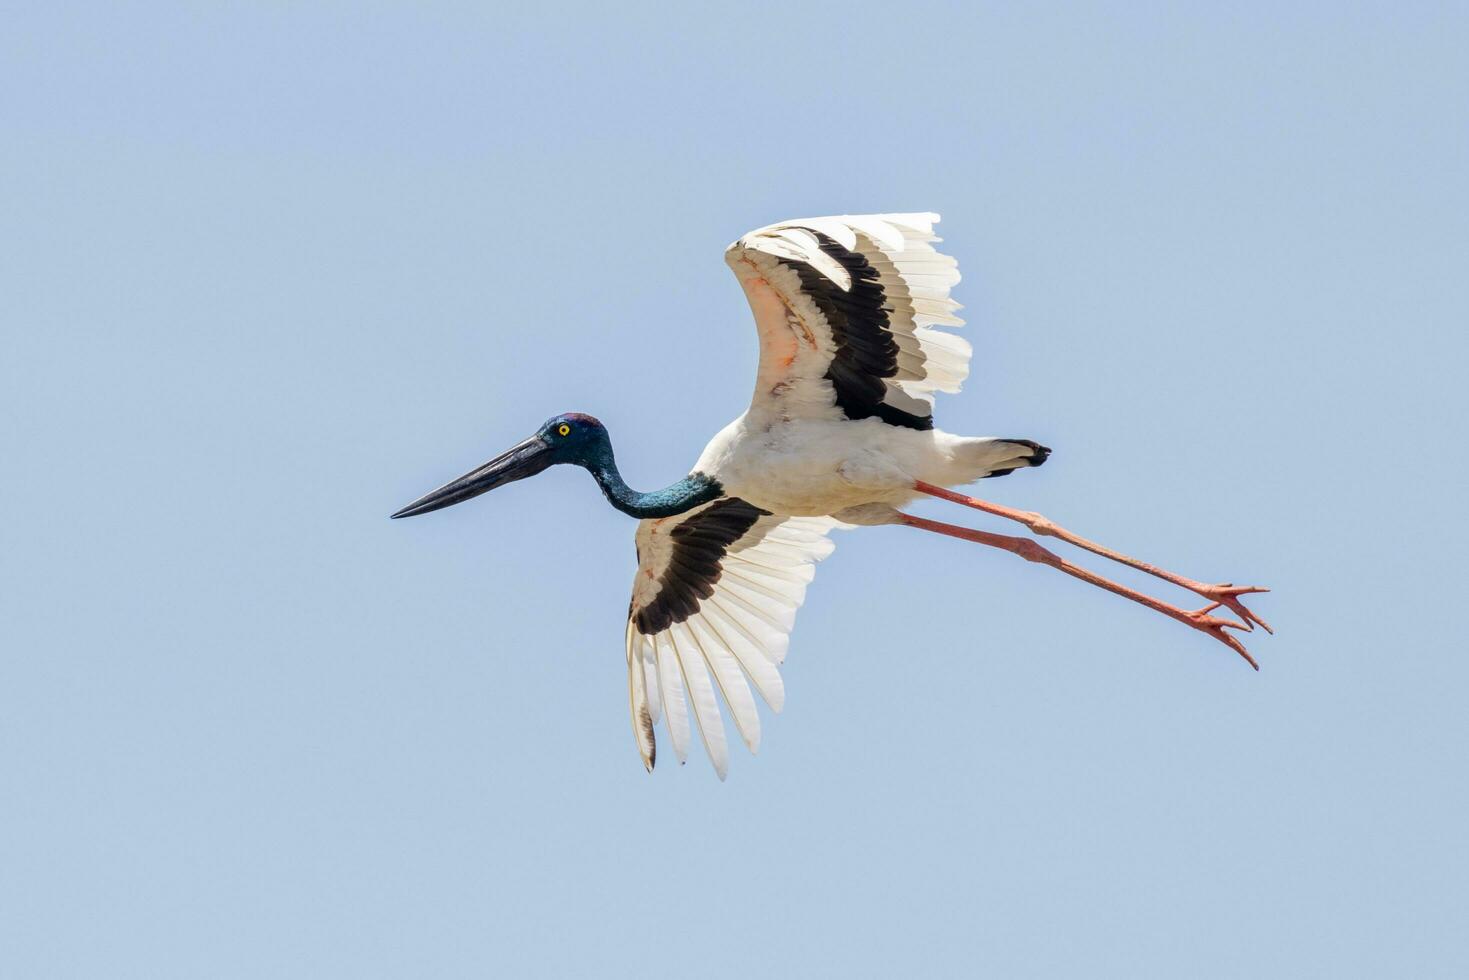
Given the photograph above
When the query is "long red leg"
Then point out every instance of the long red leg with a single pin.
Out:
(1226, 594)
(1199, 619)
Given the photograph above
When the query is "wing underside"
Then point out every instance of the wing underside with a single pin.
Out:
(849, 311)
(714, 600)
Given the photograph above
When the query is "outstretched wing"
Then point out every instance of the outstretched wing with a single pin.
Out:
(847, 309)
(713, 604)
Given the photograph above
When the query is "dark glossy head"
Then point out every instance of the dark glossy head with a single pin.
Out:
(574, 438)
(570, 438)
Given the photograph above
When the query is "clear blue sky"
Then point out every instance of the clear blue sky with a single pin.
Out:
(267, 273)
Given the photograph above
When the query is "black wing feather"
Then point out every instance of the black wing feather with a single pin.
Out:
(866, 353)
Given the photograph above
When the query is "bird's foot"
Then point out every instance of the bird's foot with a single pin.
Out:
(1200, 620)
(1228, 595)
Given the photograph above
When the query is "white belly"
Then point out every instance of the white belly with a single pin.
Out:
(817, 467)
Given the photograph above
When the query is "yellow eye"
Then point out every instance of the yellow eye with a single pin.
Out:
(563, 429)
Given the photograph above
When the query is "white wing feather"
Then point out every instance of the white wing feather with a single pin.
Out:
(735, 640)
(797, 344)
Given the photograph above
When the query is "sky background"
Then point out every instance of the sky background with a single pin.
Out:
(268, 272)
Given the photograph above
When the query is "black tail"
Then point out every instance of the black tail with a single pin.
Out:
(1027, 453)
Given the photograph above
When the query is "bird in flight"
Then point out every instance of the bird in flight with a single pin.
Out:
(839, 433)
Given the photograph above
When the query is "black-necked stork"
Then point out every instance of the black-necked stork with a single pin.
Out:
(839, 433)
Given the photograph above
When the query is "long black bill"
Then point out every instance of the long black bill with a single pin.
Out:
(520, 461)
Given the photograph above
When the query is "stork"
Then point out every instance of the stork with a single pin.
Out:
(839, 434)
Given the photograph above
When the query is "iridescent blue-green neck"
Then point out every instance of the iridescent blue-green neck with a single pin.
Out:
(686, 494)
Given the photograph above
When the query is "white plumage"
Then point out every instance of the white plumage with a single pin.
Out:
(796, 343)
(739, 631)
(799, 455)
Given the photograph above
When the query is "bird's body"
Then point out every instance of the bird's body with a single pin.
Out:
(850, 313)
(820, 468)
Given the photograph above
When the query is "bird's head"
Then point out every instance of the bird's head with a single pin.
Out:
(569, 438)
(574, 438)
